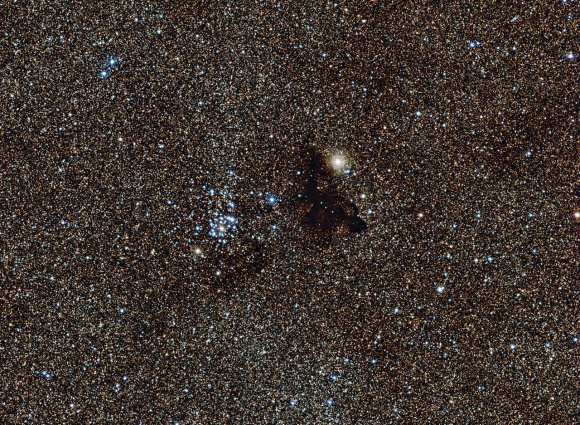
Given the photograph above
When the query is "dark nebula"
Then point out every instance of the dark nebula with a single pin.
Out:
(325, 210)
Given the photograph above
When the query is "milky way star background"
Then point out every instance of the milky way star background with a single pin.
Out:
(300, 212)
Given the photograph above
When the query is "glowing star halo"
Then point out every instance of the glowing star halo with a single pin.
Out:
(339, 162)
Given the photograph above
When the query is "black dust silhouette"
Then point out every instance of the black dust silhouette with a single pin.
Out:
(325, 209)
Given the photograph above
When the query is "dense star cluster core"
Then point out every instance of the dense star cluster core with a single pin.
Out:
(306, 212)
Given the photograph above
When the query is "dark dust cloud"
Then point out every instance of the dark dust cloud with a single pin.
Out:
(305, 212)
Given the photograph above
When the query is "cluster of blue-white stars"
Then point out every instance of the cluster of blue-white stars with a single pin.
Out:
(111, 65)
(223, 228)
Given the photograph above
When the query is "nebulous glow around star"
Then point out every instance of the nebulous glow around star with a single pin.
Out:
(339, 162)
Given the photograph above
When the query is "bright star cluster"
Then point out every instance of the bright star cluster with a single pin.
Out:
(223, 227)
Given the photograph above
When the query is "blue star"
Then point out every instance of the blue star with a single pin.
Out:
(272, 200)
(46, 374)
(113, 61)
(104, 73)
(330, 402)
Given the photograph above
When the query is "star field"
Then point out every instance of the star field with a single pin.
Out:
(288, 212)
